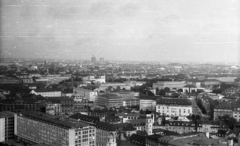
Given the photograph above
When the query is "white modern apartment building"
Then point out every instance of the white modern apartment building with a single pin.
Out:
(36, 128)
(174, 107)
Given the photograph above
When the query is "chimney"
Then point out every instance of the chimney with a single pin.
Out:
(230, 142)
(207, 134)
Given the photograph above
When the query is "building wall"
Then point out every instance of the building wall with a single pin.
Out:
(88, 94)
(53, 109)
(147, 105)
(2, 129)
(174, 110)
(102, 137)
(109, 102)
(43, 132)
(222, 112)
(169, 84)
(50, 94)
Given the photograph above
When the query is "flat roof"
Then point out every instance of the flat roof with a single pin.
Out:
(6, 114)
(54, 120)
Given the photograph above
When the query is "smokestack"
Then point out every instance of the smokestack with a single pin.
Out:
(230, 142)
(207, 134)
(72, 81)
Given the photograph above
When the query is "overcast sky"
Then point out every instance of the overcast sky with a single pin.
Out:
(137, 30)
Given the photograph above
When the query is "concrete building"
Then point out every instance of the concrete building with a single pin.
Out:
(36, 128)
(101, 60)
(45, 92)
(169, 84)
(86, 94)
(148, 103)
(109, 100)
(93, 60)
(130, 98)
(6, 126)
(174, 107)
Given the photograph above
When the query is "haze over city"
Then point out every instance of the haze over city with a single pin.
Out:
(146, 30)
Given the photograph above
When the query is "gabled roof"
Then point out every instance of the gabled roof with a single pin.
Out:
(137, 139)
(86, 118)
(111, 127)
(224, 105)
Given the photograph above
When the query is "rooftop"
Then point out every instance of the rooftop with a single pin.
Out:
(174, 101)
(6, 114)
(46, 90)
(54, 120)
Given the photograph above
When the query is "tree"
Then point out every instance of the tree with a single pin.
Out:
(166, 89)
(118, 88)
(162, 92)
(157, 90)
(200, 105)
(230, 121)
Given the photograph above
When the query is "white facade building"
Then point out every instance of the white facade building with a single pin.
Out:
(174, 107)
(47, 92)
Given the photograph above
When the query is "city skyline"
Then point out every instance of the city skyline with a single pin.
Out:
(128, 31)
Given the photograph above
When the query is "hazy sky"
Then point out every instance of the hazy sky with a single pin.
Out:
(144, 30)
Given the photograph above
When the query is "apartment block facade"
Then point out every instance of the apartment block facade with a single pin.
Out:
(35, 128)
(174, 107)
(6, 126)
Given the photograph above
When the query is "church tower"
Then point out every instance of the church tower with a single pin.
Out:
(149, 125)
(111, 140)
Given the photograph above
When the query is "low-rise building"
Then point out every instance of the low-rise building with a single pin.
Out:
(169, 84)
(174, 107)
(47, 92)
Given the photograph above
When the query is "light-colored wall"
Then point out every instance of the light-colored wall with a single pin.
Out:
(2, 129)
(147, 104)
(174, 110)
